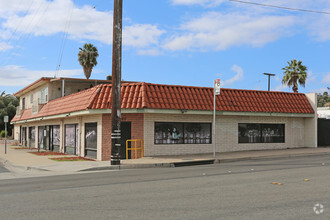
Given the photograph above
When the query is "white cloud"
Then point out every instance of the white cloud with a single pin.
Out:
(141, 35)
(218, 31)
(238, 76)
(5, 46)
(150, 52)
(326, 78)
(302, 4)
(315, 24)
(279, 87)
(198, 2)
(320, 90)
(18, 76)
(45, 18)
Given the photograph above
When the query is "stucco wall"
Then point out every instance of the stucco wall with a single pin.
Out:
(55, 88)
(311, 123)
(226, 134)
(27, 96)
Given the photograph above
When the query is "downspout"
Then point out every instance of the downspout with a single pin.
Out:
(63, 87)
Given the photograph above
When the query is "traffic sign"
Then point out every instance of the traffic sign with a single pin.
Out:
(217, 86)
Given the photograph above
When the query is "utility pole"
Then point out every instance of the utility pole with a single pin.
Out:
(116, 83)
(269, 75)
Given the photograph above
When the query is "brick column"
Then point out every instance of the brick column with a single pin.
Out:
(106, 137)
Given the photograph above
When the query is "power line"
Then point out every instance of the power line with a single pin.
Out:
(29, 27)
(63, 42)
(281, 7)
(19, 24)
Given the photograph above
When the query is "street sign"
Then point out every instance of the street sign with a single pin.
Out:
(217, 86)
(5, 119)
(216, 92)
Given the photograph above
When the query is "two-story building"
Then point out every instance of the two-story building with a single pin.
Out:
(170, 119)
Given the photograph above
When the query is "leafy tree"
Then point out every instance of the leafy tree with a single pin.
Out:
(8, 105)
(323, 100)
(294, 73)
(87, 58)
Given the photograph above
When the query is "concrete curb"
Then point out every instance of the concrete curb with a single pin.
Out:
(195, 163)
(130, 166)
(16, 168)
(268, 157)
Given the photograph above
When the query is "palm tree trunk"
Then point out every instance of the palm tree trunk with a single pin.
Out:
(295, 85)
(87, 71)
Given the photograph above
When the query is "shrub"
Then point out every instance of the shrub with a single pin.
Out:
(2, 134)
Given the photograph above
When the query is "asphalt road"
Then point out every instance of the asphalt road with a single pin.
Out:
(241, 190)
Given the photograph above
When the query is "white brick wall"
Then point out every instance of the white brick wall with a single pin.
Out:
(226, 134)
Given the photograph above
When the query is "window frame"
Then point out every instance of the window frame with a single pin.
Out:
(183, 126)
(261, 127)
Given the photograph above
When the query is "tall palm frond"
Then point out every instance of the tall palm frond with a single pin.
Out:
(87, 58)
(294, 73)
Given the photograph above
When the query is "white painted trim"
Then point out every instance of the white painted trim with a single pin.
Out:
(167, 111)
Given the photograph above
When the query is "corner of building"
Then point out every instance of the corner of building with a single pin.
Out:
(310, 138)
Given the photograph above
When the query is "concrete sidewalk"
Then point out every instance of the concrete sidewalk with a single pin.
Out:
(21, 160)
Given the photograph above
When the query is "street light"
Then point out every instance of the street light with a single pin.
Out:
(269, 75)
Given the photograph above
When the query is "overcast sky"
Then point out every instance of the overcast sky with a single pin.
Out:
(182, 42)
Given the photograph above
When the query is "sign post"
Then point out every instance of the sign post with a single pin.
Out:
(216, 92)
(5, 119)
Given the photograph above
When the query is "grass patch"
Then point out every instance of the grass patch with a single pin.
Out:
(23, 148)
(71, 159)
(47, 153)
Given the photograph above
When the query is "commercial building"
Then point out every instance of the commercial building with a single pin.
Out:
(169, 119)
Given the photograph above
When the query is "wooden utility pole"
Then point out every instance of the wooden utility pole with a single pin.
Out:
(116, 83)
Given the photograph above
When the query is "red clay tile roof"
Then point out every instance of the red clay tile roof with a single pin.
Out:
(156, 96)
(71, 103)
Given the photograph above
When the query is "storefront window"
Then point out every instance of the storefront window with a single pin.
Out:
(196, 133)
(260, 133)
(91, 140)
(182, 133)
(71, 139)
(56, 138)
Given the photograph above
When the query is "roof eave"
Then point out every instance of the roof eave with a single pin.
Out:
(35, 84)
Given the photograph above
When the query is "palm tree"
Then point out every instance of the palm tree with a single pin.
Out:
(87, 58)
(294, 73)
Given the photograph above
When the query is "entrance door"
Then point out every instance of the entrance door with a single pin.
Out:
(32, 138)
(323, 131)
(71, 139)
(24, 136)
(55, 138)
(42, 138)
(125, 135)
